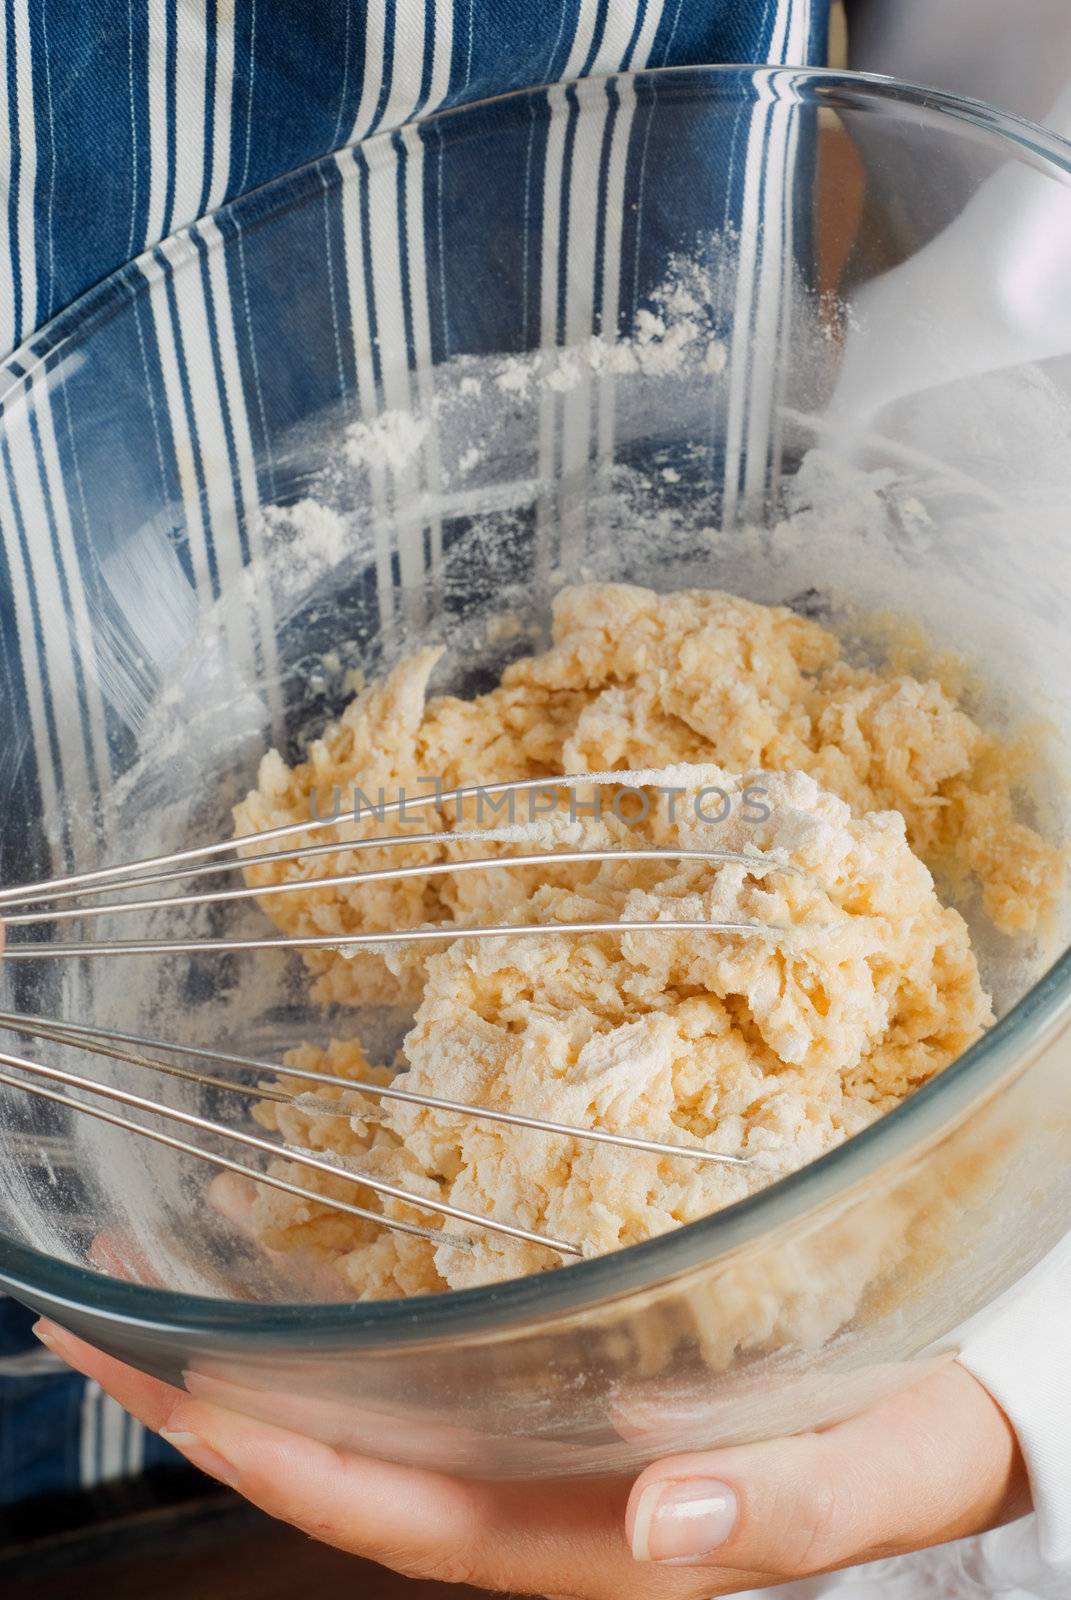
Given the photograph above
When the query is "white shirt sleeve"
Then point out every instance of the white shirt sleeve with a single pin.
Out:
(1016, 56)
(1021, 1352)
(1014, 232)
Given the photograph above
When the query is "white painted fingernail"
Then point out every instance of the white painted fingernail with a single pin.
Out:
(683, 1522)
(52, 1337)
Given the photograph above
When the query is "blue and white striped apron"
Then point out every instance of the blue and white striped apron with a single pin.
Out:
(124, 120)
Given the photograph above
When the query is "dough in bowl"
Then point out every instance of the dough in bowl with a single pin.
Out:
(734, 727)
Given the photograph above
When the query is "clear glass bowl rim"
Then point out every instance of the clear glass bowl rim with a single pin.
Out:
(1043, 1012)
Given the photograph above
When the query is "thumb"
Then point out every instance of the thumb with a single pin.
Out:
(937, 1462)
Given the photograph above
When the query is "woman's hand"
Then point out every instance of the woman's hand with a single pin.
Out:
(934, 1463)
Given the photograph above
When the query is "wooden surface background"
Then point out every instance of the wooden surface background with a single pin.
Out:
(209, 1546)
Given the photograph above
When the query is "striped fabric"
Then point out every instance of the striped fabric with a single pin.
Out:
(205, 99)
(59, 1434)
(123, 121)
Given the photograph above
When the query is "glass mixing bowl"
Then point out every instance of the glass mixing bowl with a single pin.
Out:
(586, 332)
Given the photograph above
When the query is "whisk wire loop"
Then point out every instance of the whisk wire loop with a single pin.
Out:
(46, 904)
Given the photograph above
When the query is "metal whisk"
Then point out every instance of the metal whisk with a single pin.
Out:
(223, 856)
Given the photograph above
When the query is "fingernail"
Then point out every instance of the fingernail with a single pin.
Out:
(202, 1455)
(682, 1522)
(51, 1337)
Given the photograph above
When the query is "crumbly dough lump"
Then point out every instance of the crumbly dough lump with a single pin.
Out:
(775, 1047)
